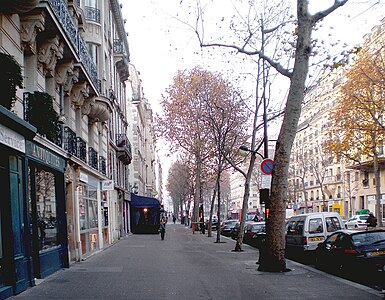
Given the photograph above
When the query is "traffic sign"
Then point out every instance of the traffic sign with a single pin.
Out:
(267, 166)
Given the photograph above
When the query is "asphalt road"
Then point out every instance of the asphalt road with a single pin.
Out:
(188, 266)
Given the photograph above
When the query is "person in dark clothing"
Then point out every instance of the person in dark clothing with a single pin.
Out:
(162, 228)
(173, 218)
(372, 220)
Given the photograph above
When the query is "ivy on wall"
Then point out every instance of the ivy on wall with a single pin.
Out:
(10, 79)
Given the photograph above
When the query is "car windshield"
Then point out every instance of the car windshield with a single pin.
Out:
(364, 218)
(367, 238)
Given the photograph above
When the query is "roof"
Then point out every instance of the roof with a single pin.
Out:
(142, 201)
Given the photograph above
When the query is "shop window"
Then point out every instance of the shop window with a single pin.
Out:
(88, 208)
(42, 189)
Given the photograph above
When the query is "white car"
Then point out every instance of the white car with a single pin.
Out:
(357, 221)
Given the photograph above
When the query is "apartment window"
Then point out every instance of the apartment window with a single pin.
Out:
(93, 51)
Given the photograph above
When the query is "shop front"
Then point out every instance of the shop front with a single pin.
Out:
(46, 210)
(93, 214)
(15, 275)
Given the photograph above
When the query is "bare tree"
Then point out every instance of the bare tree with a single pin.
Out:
(274, 260)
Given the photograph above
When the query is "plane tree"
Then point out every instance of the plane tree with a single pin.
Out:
(358, 118)
(250, 40)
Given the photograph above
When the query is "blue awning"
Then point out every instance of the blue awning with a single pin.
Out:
(142, 202)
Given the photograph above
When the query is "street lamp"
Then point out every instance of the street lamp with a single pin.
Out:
(244, 148)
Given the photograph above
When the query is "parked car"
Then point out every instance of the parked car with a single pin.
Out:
(251, 229)
(214, 223)
(227, 227)
(234, 231)
(351, 251)
(357, 221)
(304, 232)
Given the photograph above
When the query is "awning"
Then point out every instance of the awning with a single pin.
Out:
(142, 201)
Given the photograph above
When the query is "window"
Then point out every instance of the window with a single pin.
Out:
(88, 208)
(295, 227)
(45, 212)
(332, 224)
(315, 225)
(93, 51)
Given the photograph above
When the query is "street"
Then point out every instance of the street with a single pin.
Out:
(188, 266)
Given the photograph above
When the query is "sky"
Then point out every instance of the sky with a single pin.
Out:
(161, 41)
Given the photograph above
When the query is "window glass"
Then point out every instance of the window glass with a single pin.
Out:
(368, 238)
(88, 208)
(332, 224)
(45, 205)
(295, 227)
(315, 225)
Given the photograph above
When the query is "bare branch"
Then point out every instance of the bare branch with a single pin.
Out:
(282, 70)
(322, 14)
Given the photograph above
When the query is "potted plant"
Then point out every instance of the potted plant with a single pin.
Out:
(10, 79)
(41, 114)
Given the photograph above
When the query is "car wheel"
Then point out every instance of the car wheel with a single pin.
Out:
(356, 226)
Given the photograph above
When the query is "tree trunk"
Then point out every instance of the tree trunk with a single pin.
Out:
(238, 245)
(209, 231)
(219, 206)
(197, 187)
(376, 171)
(274, 260)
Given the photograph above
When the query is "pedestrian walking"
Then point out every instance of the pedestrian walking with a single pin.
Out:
(372, 220)
(173, 218)
(162, 228)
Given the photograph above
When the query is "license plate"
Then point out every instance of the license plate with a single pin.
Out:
(317, 238)
(376, 253)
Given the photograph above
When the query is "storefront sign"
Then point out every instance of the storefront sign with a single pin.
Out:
(45, 156)
(83, 177)
(12, 139)
(107, 185)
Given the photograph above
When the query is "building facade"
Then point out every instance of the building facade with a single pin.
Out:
(318, 180)
(64, 135)
(143, 168)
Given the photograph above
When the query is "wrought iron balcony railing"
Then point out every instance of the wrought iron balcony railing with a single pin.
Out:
(81, 149)
(60, 9)
(93, 158)
(102, 165)
(92, 14)
(69, 141)
(124, 149)
(118, 46)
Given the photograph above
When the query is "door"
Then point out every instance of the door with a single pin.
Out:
(5, 225)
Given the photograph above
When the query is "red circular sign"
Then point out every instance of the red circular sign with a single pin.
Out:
(267, 166)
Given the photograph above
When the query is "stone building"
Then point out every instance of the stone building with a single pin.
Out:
(64, 140)
(318, 180)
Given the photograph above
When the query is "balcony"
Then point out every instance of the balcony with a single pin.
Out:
(69, 141)
(123, 152)
(92, 14)
(118, 46)
(93, 158)
(102, 165)
(81, 152)
(60, 9)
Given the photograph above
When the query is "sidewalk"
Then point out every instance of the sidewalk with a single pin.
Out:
(188, 266)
